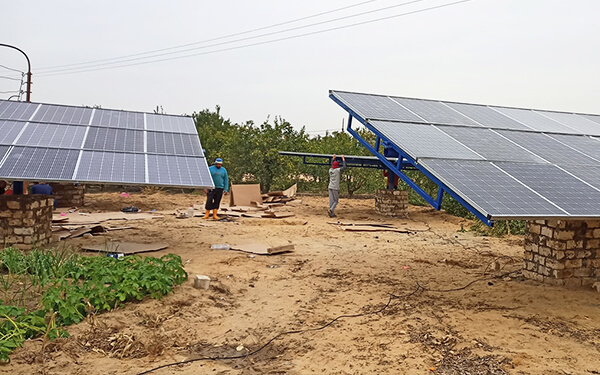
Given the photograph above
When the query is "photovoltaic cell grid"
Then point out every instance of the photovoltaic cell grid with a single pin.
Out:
(62, 143)
(508, 163)
(488, 187)
(424, 141)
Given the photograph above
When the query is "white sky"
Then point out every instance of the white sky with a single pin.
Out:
(524, 53)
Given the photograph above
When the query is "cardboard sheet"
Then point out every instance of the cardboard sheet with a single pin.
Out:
(243, 195)
(125, 247)
(291, 191)
(76, 218)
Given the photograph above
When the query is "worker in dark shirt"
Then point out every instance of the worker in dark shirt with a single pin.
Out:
(41, 188)
(3, 187)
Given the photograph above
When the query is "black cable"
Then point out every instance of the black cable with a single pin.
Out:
(13, 69)
(260, 43)
(239, 40)
(11, 78)
(212, 39)
(380, 310)
(10, 92)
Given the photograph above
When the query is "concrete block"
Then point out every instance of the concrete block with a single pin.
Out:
(554, 264)
(201, 282)
(573, 263)
(582, 272)
(545, 251)
(583, 254)
(547, 232)
(564, 235)
(24, 231)
(13, 205)
(562, 274)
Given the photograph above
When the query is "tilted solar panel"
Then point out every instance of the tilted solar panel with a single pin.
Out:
(500, 162)
(43, 142)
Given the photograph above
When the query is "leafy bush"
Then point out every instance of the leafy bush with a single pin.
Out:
(73, 286)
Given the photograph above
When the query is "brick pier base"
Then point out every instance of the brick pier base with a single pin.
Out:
(68, 195)
(392, 203)
(562, 252)
(25, 220)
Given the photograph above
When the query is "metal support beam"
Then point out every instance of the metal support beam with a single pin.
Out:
(402, 155)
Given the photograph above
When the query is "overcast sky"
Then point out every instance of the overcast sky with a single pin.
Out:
(525, 53)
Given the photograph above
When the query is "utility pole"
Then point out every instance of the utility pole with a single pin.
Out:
(28, 97)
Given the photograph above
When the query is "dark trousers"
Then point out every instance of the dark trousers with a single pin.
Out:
(213, 199)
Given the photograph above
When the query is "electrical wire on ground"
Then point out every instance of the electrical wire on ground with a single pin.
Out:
(391, 298)
(85, 70)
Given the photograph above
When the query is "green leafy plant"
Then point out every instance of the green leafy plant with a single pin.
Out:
(72, 286)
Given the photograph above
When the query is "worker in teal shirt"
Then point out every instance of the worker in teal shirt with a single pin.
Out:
(213, 197)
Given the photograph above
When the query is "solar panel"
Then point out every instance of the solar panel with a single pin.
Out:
(42, 142)
(118, 119)
(548, 148)
(117, 167)
(377, 107)
(487, 116)
(115, 139)
(491, 189)
(36, 163)
(582, 143)
(63, 115)
(564, 190)
(423, 141)
(171, 143)
(435, 112)
(534, 120)
(179, 170)
(16, 110)
(594, 118)
(516, 163)
(9, 130)
(491, 145)
(587, 173)
(168, 123)
(576, 122)
(51, 135)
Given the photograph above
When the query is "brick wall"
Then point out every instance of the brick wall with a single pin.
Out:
(391, 202)
(25, 220)
(563, 252)
(68, 195)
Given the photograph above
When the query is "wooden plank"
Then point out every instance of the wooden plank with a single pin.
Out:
(126, 247)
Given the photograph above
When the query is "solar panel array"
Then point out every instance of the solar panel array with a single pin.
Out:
(505, 162)
(43, 142)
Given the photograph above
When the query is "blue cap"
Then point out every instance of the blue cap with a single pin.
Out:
(218, 161)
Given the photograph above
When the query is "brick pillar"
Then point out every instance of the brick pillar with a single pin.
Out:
(25, 220)
(68, 195)
(562, 252)
(392, 203)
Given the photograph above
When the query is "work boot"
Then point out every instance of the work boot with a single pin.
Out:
(215, 215)
(207, 215)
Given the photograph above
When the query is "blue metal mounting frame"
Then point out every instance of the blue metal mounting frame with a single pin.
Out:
(404, 157)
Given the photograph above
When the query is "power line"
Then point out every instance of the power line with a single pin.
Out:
(13, 69)
(240, 39)
(11, 78)
(260, 43)
(212, 39)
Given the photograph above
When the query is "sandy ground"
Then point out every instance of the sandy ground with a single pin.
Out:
(503, 325)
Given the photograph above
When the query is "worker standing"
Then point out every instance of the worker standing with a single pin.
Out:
(213, 196)
(335, 174)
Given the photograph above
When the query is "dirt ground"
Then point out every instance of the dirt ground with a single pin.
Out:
(501, 325)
